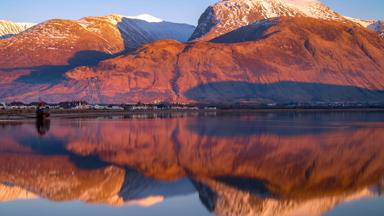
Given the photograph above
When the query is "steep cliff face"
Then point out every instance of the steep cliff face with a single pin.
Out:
(279, 60)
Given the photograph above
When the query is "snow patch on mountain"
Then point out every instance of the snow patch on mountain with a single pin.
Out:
(362, 22)
(375, 25)
(146, 17)
(9, 29)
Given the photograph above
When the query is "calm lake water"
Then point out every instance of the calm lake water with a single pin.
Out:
(281, 163)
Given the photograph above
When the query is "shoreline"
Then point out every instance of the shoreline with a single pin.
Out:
(30, 114)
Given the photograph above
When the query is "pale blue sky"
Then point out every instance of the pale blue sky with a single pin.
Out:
(186, 11)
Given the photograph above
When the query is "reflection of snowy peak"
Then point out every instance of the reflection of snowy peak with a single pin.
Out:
(228, 15)
(11, 193)
(140, 190)
(226, 200)
(9, 29)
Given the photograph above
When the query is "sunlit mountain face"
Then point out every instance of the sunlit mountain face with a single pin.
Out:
(217, 163)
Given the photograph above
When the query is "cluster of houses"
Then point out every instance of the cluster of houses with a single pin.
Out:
(82, 105)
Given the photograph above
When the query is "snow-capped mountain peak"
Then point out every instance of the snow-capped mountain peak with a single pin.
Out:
(9, 29)
(146, 17)
(228, 15)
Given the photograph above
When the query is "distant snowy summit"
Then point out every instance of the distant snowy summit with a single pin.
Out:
(228, 15)
(146, 28)
(9, 29)
(146, 17)
(375, 25)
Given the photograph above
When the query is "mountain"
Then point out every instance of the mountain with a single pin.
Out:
(228, 15)
(248, 52)
(82, 42)
(279, 60)
(9, 29)
(57, 41)
(48, 50)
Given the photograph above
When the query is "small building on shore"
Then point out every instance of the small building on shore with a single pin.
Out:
(3, 106)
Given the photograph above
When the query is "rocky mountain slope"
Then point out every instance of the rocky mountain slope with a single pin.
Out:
(9, 29)
(314, 60)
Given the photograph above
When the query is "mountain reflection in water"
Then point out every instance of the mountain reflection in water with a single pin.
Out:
(238, 164)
